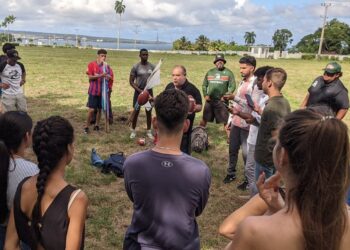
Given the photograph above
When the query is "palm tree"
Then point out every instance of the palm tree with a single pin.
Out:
(202, 43)
(249, 38)
(119, 8)
(7, 21)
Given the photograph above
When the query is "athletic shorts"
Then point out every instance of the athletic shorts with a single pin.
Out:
(136, 94)
(215, 110)
(94, 102)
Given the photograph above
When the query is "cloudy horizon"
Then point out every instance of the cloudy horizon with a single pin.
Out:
(168, 20)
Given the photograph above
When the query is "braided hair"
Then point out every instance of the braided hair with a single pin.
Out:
(51, 138)
(14, 125)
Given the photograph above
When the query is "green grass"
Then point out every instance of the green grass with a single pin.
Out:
(57, 85)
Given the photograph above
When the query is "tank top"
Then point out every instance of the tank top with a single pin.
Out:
(54, 221)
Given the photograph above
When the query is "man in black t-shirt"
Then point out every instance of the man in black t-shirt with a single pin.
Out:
(180, 82)
(329, 90)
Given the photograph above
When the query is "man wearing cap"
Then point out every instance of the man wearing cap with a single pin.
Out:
(217, 82)
(13, 76)
(239, 127)
(329, 90)
(3, 58)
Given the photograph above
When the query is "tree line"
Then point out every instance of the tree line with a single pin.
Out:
(336, 41)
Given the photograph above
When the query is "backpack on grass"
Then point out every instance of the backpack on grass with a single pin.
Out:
(199, 139)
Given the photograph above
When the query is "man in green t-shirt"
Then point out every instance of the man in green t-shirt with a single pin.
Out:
(276, 109)
(217, 82)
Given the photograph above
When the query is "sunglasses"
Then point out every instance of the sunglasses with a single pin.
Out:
(329, 74)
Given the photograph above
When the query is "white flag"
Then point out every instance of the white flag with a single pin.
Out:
(154, 79)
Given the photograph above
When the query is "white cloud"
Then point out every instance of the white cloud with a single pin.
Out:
(217, 19)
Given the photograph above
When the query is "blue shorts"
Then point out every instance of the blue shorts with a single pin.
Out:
(94, 102)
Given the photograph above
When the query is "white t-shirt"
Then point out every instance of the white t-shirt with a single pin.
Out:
(260, 98)
(18, 170)
(13, 76)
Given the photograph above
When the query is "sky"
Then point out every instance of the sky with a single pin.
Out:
(169, 20)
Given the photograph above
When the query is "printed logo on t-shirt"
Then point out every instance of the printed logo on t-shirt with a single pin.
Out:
(14, 74)
(217, 76)
(315, 84)
(167, 164)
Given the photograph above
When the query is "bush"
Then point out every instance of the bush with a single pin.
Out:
(346, 59)
(307, 57)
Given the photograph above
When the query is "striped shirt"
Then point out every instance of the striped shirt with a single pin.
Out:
(18, 170)
(96, 84)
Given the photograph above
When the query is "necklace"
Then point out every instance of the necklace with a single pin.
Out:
(167, 148)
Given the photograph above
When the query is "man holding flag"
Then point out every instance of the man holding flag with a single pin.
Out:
(98, 72)
(139, 74)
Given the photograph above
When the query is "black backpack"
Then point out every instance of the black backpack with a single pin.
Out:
(115, 164)
(199, 139)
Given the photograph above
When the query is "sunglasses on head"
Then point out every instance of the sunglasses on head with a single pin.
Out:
(329, 74)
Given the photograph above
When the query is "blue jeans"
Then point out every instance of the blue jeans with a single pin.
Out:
(259, 168)
(348, 200)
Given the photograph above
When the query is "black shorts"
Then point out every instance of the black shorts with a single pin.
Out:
(136, 94)
(94, 102)
(215, 109)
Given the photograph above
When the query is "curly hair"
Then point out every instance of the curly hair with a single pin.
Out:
(51, 138)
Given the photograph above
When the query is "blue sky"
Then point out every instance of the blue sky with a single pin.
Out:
(145, 19)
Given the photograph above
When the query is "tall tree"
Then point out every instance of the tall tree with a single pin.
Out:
(249, 38)
(182, 44)
(202, 43)
(119, 8)
(6, 23)
(336, 39)
(281, 38)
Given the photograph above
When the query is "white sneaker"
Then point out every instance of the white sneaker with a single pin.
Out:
(150, 135)
(133, 134)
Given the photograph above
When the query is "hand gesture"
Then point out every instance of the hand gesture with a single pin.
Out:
(4, 85)
(269, 191)
(228, 97)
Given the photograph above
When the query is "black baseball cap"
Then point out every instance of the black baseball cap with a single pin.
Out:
(12, 53)
(219, 57)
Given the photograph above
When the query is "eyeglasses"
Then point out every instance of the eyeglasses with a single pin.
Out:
(329, 74)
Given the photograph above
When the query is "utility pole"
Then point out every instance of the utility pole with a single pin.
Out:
(326, 5)
(76, 38)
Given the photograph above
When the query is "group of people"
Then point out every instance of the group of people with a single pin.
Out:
(296, 164)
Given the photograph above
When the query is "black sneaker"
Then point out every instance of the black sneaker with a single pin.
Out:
(243, 186)
(229, 178)
(97, 128)
(86, 130)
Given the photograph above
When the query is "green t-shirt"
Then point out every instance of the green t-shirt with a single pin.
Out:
(216, 83)
(275, 110)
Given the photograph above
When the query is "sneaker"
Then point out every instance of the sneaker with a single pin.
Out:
(86, 130)
(96, 128)
(132, 135)
(150, 135)
(229, 178)
(243, 186)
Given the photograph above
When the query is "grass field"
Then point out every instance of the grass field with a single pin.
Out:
(57, 85)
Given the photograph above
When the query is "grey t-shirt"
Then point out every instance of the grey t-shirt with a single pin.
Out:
(141, 72)
(13, 76)
(168, 192)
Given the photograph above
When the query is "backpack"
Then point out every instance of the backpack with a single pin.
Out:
(199, 139)
(115, 164)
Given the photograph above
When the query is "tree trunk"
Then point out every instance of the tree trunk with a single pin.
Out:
(120, 21)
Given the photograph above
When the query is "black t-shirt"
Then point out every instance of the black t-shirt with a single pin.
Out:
(189, 89)
(333, 94)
